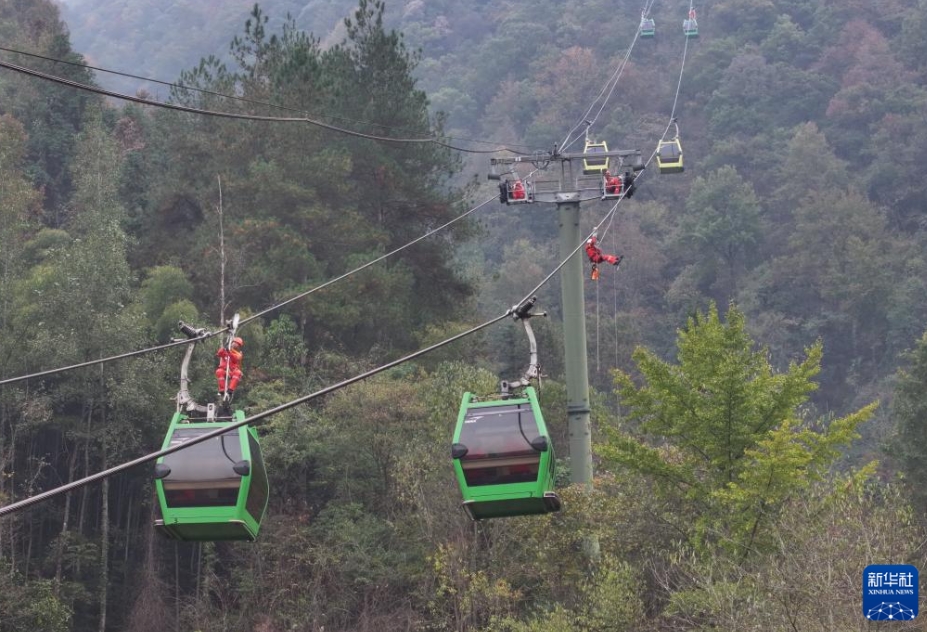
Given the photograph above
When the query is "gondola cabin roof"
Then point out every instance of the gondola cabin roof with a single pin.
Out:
(595, 165)
(669, 156)
(503, 458)
(214, 490)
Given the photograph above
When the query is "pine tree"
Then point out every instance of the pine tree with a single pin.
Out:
(723, 436)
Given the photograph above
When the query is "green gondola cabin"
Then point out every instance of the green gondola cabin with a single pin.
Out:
(214, 490)
(503, 458)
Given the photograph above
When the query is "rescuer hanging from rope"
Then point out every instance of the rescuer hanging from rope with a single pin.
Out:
(229, 372)
(596, 257)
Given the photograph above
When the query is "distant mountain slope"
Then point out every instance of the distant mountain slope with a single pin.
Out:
(158, 39)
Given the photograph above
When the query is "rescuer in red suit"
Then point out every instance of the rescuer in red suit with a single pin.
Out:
(230, 367)
(596, 257)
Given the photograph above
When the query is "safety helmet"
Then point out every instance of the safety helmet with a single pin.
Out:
(238, 341)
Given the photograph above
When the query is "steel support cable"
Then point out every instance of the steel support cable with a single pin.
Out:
(614, 83)
(627, 57)
(366, 265)
(229, 115)
(611, 216)
(122, 356)
(256, 102)
(205, 336)
(160, 82)
(608, 88)
(63, 489)
(27, 502)
(682, 68)
(583, 120)
(581, 244)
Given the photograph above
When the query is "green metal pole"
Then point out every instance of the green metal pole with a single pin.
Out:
(574, 334)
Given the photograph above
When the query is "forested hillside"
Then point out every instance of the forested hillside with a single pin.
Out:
(758, 360)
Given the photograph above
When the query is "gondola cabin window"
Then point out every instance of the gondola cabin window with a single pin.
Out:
(202, 475)
(498, 440)
(669, 152)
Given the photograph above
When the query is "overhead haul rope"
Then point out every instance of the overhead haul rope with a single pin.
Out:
(269, 309)
(682, 68)
(611, 216)
(27, 502)
(613, 82)
(63, 489)
(366, 265)
(233, 115)
(21, 378)
(627, 57)
(243, 99)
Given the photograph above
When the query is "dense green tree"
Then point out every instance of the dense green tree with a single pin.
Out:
(809, 167)
(722, 225)
(909, 407)
(819, 541)
(787, 42)
(873, 84)
(755, 95)
(836, 271)
(722, 434)
(301, 205)
(364, 505)
(52, 114)
(32, 605)
(19, 210)
(85, 289)
(166, 297)
(750, 18)
(899, 151)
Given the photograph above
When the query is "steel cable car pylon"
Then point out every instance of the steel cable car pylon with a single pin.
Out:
(216, 489)
(503, 457)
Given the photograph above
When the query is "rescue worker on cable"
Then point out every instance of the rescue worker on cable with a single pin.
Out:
(518, 190)
(229, 372)
(612, 183)
(596, 257)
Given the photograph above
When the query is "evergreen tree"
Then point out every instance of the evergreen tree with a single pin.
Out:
(909, 410)
(52, 114)
(722, 435)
